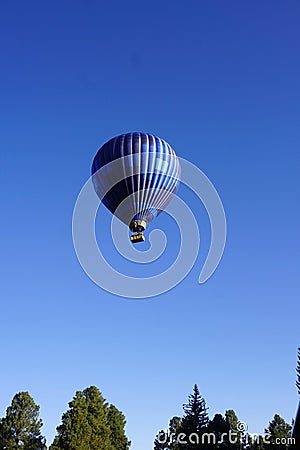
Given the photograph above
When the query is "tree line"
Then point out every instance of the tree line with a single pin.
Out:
(90, 423)
(194, 430)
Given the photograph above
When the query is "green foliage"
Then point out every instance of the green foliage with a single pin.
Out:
(91, 424)
(84, 425)
(233, 421)
(117, 422)
(21, 427)
(278, 430)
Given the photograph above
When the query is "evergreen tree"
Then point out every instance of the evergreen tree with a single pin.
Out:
(117, 422)
(195, 419)
(279, 433)
(21, 427)
(85, 426)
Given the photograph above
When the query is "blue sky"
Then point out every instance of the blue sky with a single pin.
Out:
(220, 82)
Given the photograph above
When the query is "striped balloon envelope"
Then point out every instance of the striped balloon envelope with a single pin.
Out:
(136, 175)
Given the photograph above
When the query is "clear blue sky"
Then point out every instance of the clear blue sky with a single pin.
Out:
(218, 80)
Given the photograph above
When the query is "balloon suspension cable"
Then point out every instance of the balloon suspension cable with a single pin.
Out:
(137, 227)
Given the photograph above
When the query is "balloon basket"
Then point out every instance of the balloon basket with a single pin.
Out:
(135, 238)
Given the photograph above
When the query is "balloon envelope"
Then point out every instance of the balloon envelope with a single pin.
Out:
(149, 176)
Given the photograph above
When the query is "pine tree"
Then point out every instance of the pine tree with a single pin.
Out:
(21, 427)
(278, 430)
(86, 424)
(195, 419)
(195, 415)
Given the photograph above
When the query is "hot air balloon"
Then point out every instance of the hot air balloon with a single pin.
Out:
(148, 176)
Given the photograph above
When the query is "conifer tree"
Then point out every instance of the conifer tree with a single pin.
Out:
(195, 420)
(86, 425)
(195, 417)
(278, 433)
(21, 427)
